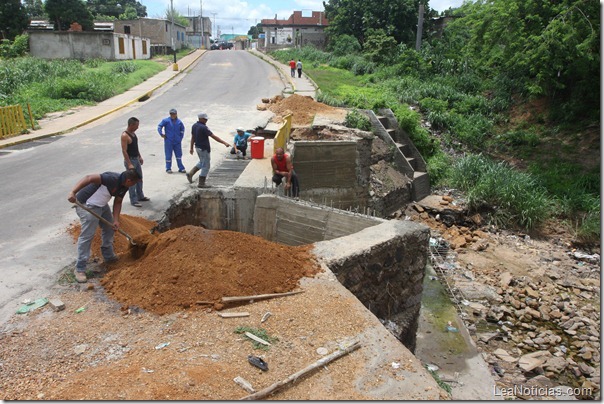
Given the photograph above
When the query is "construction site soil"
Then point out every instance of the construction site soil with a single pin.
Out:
(145, 337)
(148, 327)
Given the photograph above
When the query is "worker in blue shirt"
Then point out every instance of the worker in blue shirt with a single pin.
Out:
(172, 130)
(240, 143)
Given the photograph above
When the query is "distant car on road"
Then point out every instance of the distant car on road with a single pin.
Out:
(221, 45)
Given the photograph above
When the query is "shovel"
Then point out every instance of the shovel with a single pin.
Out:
(93, 213)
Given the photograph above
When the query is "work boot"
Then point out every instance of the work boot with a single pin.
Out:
(191, 173)
(80, 276)
(202, 182)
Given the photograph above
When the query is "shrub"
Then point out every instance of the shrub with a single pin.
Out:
(124, 67)
(343, 45)
(516, 197)
(439, 167)
(18, 47)
(356, 119)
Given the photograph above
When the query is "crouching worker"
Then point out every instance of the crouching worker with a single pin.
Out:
(95, 191)
(283, 170)
(240, 143)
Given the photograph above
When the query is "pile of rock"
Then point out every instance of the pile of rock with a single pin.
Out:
(539, 328)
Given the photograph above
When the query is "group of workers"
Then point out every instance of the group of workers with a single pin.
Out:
(92, 193)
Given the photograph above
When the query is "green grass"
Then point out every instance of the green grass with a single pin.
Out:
(58, 85)
(511, 196)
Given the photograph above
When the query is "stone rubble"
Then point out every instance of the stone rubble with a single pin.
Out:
(538, 324)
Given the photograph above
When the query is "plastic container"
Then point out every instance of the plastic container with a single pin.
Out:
(257, 147)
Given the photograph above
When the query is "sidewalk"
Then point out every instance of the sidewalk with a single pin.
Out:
(87, 115)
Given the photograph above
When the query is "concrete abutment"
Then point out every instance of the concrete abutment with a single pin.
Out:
(382, 262)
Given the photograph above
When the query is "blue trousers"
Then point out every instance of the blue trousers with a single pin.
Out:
(176, 148)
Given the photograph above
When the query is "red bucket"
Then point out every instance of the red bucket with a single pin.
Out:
(257, 147)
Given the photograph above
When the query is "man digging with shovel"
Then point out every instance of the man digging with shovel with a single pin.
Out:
(92, 195)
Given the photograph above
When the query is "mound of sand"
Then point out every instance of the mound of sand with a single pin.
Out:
(191, 267)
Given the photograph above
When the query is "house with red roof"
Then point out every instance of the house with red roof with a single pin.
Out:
(300, 29)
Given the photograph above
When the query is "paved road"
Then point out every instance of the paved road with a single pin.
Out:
(36, 177)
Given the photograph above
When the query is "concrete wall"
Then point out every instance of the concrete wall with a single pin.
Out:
(383, 266)
(215, 209)
(291, 222)
(381, 262)
(157, 30)
(334, 173)
(86, 45)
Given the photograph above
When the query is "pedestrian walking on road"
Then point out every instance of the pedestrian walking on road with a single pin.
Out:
(292, 66)
(95, 191)
(240, 143)
(299, 66)
(133, 160)
(200, 140)
(172, 130)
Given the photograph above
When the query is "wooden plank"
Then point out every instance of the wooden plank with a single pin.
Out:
(257, 339)
(234, 314)
(258, 297)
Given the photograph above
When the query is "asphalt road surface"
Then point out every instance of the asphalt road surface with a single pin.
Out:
(35, 181)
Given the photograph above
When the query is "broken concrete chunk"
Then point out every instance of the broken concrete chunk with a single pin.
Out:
(247, 386)
(56, 304)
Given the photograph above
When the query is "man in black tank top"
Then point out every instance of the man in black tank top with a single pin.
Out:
(133, 160)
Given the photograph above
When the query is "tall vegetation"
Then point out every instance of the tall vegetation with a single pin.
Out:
(495, 58)
(56, 85)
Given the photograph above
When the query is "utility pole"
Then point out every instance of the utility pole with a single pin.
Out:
(202, 43)
(215, 27)
(420, 28)
(174, 66)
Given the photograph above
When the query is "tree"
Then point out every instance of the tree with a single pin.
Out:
(255, 30)
(65, 12)
(379, 47)
(116, 9)
(531, 48)
(342, 45)
(13, 19)
(34, 8)
(178, 18)
(398, 18)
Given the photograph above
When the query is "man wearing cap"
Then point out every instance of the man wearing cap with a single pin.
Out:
(200, 140)
(240, 143)
(172, 130)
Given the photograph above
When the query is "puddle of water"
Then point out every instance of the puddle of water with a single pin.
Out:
(448, 350)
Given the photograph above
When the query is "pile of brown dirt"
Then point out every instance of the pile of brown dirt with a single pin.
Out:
(303, 108)
(190, 267)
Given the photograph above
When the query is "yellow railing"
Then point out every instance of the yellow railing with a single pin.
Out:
(12, 121)
(282, 136)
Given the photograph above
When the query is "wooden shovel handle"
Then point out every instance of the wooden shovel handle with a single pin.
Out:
(93, 213)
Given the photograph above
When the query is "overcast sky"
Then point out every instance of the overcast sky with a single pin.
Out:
(237, 16)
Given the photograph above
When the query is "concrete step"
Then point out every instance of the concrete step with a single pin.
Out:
(412, 162)
(227, 172)
(421, 185)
